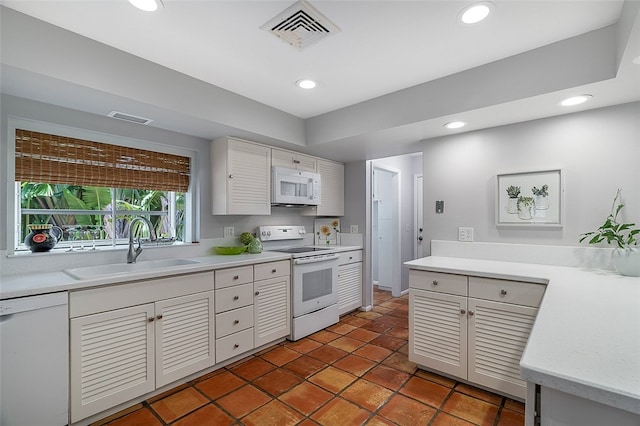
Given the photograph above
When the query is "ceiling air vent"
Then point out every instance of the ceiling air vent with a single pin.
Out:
(300, 25)
(129, 117)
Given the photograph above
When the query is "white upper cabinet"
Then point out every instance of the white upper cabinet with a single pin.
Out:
(240, 177)
(332, 190)
(293, 160)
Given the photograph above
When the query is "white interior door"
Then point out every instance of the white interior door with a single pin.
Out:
(386, 222)
(418, 217)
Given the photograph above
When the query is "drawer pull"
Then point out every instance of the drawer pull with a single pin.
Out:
(257, 293)
(236, 297)
(350, 257)
(471, 313)
(236, 346)
(462, 311)
(236, 322)
(151, 319)
(231, 176)
(159, 317)
(503, 292)
(235, 277)
(296, 161)
(273, 271)
(435, 282)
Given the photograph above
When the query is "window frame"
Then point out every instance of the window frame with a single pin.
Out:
(191, 232)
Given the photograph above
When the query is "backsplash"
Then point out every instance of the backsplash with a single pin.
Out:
(574, 256)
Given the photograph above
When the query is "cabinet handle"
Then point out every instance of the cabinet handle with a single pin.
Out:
(236, 297)
(235, 277)
(273, 271)
(503, 292)
(257, 293)
(150, 319)
(350, 257)
(236, 346)
(462, 311)
(296, 161)
(471, 313)
(231, 176)
(435, 282)
(159, 317)
(236, 322)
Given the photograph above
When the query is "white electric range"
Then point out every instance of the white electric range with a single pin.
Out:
(314, 278)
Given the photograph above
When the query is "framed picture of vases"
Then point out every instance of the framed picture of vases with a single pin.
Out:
(530, 199)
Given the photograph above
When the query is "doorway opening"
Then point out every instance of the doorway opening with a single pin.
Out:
(385, 229)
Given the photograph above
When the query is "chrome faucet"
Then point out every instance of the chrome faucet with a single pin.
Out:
(133, 254)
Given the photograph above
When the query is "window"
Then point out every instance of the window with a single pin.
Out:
(92, 190)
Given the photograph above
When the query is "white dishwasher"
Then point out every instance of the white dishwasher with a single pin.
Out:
(34, 360)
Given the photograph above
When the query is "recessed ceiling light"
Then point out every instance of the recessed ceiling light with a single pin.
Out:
(637, 60)
(455, 124)
(147, 5)
(305, 83)
(576, 100)
(476, 12)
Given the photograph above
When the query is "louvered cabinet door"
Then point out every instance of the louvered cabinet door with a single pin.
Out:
(272, 309)
(438, 331)
(249, 178)
(112, 358)
(349, 287)
(498, 333)
(331, 188)
(184, 336)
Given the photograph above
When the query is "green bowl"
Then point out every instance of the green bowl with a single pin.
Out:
(229, 250)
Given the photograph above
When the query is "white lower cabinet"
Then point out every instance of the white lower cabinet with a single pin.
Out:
(350, 281)
(253, 307)
(127, 340)
(472, 328)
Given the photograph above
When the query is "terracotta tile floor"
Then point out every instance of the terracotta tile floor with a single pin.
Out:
(352, 373)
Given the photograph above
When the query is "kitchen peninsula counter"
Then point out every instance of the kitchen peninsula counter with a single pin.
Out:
(586, 337)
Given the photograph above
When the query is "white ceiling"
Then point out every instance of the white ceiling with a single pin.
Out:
(383, 47)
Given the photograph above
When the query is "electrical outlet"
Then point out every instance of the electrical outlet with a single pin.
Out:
(229, 231)
(465, 234)
(353, 229)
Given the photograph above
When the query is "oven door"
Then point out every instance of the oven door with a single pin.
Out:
(315, 283)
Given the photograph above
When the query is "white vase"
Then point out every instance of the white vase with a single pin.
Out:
(627, 261)
(512, 206)
(542, 202)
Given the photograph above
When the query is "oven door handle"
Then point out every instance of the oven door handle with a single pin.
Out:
(307, 260)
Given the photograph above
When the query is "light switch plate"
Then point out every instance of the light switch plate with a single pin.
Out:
(353, 229)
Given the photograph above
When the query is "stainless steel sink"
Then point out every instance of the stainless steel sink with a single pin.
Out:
(119, 269)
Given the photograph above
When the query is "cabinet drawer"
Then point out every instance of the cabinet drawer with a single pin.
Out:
(233, 276)
(518, 293)
(439, 282)
(264, 271)
(233, 297)
(233, 321)
(234, 344)
(350, 257)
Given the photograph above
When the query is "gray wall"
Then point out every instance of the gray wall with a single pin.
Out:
(210, 226)
(597, 150)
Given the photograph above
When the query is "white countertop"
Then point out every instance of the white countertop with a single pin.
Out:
(30, 284)
(586, 337)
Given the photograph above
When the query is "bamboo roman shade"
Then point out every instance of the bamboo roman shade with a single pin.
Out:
(41, 157)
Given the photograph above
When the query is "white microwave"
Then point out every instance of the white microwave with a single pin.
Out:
(291, 187)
